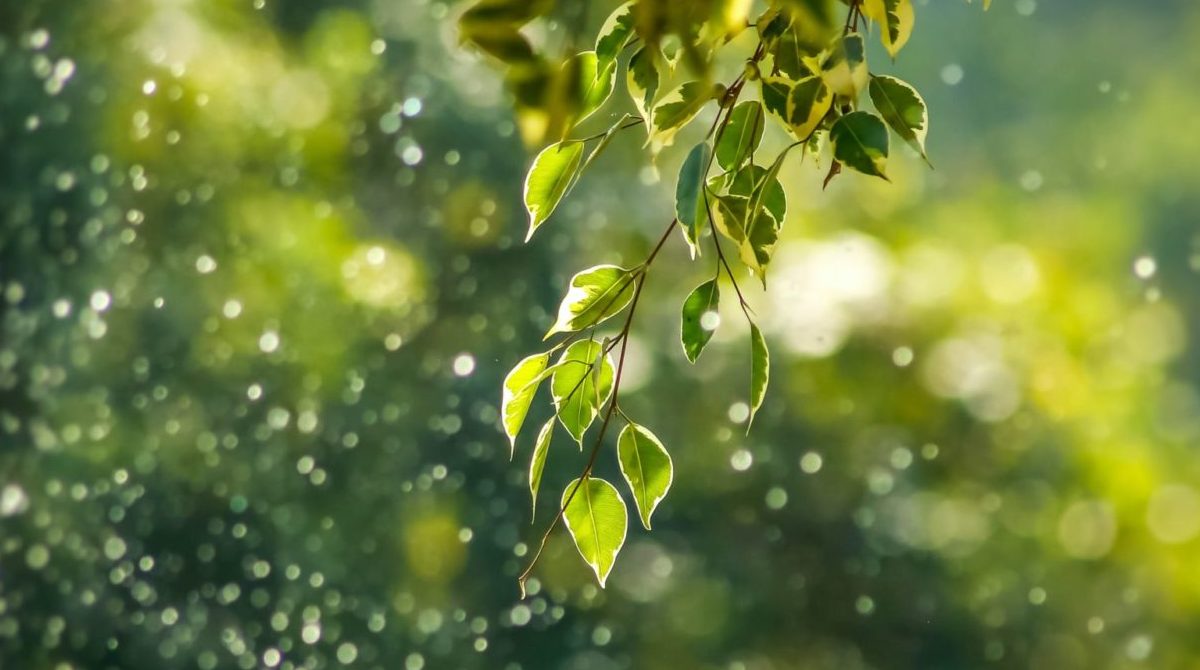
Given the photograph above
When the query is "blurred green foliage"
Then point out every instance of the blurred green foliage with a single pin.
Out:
(261, 277)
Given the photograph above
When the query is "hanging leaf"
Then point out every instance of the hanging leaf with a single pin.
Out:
(807, 104)
(845, 69)
(519, 387)
(741, 135)
(537, 462)
(614, 35)
(595, 295)
(549, 178)
(642, 81)
(791, 51)
(695, 329)
(903, 109)
(678, 108)
(895, 17)
(775, 92)
(763, 223)
(860, 142)
(581, 383)
(597, 521)
(729, 216)
(688, 197)
(593, 84)
(752, 178)
(760, 371)
(647, 468)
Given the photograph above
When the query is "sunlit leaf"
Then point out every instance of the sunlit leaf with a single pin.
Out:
(597, 521)
(595, 84)
(903, 109)
(537, 463)
(845, 68)
(614, 35)
(677, 108)
(760, 371)
(579, 387)
(775, 92)
(860, 142)
(518, 390)
(549, 178)
(703, 300)
(647, 468)
(807, 104)
(593, 296)
(791, 51)
(729, 216)
(688, 194)
(741, 135)
(895, 18)
(642, 81)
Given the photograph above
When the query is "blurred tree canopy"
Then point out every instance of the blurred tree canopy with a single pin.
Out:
(262, 274)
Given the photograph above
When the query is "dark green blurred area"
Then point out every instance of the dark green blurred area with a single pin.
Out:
(261, 277)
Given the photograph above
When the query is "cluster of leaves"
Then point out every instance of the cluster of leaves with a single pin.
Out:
(810, 69)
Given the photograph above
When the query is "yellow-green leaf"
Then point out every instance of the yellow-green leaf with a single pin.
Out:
(903, 109)
(845, 68)
(807, 104)
(700, 319)
(594, 295)
(597, 521)
(642, 81)
(676, 109)
(549, 178)
(688, 205)
(537, 463)
(760, 371)
(582, 382)
(519, 387)
(860, 142)
(614, 35)
(741, 137)
(895, 18)
(647, 468)
(595, 83)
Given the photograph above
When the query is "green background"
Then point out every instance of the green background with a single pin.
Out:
(261, 275)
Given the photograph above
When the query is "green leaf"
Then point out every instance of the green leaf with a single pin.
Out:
(519, 388)
(642, 81)
(753, 178)
(775, 92)
(647, 467)
(537, 463)
(762, 232)
(903, 109)
(790, 53)
(614, 35)
(580, 385)
(896, 17)
(549, 178)
(741, 137)
(595, 84)
(704, 299)
(807, 104)
(729, 216)
(597, 521)
(594, 296)
(688, 204)
(760, 371)
(860, 142)
(845, 70)
(676, 109)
